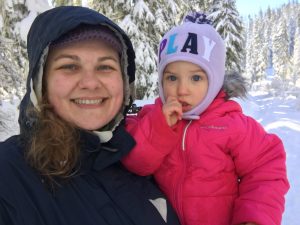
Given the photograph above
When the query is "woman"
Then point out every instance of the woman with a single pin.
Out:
(64, 166)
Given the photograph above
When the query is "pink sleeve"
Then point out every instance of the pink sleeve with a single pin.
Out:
(261, 166)
(154, 140)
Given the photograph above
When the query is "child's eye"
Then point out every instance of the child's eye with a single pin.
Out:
(171, 78)
(196, 77)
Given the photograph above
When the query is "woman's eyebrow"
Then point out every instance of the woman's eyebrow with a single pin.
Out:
(101, 59)
(74, 57)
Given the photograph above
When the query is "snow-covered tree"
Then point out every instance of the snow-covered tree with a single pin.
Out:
(145, 22)
(296, 58)
(260, 48)
(66, 2)
(280, 48)
(250, 66)
(13, 55)
(271, 44)
(16, 18)
(228, 23)
(200, 5)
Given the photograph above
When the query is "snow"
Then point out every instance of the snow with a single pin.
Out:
(35, 7)
(278, 115)
(25, 24)
(140, 9)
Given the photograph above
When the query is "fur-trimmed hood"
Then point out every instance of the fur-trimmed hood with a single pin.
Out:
(48, 27)
(234, 85)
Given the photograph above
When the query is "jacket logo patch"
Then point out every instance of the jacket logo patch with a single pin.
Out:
(212, 127)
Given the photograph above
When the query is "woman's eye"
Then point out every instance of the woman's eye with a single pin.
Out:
(69, 67)
(105, 68)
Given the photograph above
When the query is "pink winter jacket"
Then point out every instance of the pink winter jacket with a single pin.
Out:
(221, 169)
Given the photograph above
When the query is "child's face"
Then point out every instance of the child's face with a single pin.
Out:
(187, 82)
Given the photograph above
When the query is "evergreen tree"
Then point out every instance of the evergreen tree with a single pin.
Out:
(271, 44)
(13, 57)
(57, 3)
(281, 58)
(250, 59)
(200, 5)
(260, 48)
(296, 58)
(228, 23)
(145, 22)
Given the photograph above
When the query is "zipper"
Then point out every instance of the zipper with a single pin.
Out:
(184, 135)
(178, 188)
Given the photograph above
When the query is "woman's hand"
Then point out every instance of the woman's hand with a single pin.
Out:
(172, 110)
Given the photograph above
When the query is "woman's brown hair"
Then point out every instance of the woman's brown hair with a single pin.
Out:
(53, 148)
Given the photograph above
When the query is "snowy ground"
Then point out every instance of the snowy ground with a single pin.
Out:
(282, 117)
(277, 115)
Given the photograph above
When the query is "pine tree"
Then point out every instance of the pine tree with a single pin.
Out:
(200, 5)
(13, 57)
(260, 48)
(250, 66)
(296, 58)
(145, 22)
(228, 23)
(280, 48)
(57, 3)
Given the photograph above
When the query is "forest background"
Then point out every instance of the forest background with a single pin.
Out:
(264, 48)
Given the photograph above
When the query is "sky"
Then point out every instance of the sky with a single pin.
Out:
(252, 7)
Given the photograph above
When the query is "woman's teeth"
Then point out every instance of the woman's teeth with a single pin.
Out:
(88, 101)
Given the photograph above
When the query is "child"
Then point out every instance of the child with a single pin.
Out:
(216, 165)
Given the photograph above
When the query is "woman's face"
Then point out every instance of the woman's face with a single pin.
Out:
(84, 83)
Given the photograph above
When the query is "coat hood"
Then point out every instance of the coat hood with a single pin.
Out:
(235, 86)
(49, 26)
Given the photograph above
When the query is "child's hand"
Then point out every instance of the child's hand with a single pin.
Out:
(172, 110)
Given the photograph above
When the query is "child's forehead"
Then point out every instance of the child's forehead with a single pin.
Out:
(185, 65)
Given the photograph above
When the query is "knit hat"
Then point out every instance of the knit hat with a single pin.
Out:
(195, 41)
(89, 32)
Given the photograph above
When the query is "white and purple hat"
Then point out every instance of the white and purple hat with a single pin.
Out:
(195, 41)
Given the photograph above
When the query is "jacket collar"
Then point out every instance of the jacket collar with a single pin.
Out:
(96, 155)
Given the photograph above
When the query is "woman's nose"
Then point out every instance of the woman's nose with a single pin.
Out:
(89, 80)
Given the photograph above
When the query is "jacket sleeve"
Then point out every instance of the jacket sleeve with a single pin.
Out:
(154, 140)
(260, 162)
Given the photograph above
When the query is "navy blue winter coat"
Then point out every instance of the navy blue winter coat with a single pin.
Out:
(103, 192)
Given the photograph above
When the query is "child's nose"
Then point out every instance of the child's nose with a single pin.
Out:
(182, 88)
